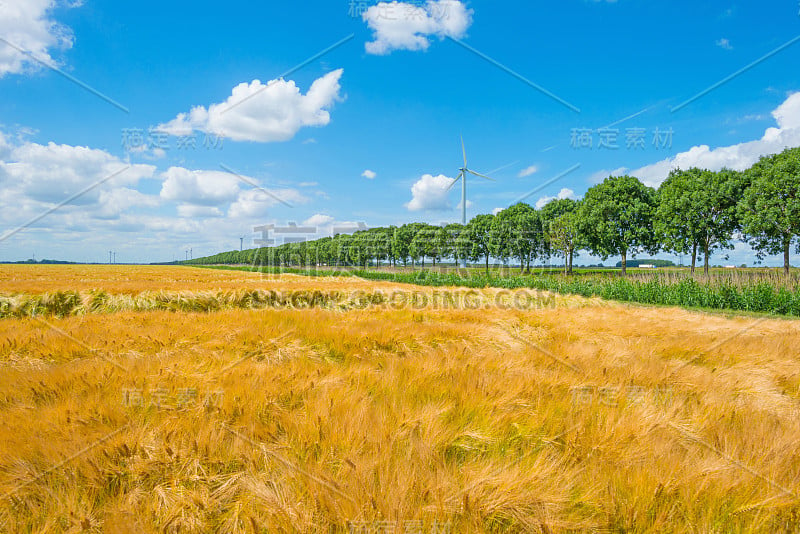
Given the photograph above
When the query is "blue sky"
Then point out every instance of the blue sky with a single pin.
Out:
(522, 81)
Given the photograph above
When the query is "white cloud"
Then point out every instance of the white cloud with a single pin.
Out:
(724, 43)
(265, 113)
(148, 152)
(5, 147)
(738, 157)
(430, 193)
(28, 25)
(533, 169)
(202, 193)
(51, 173)
(255, 202)
(115, 202)
(496, 211)
(405, 26)
(318, 220)
(201, 188)
(118, 214)
(564, 193)
(36, 178)
(368, 174)
(599, 176)
(191, 211)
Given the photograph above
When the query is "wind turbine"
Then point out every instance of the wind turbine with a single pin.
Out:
(462, 175)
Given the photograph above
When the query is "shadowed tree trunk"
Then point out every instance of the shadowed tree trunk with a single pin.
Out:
(786, 248)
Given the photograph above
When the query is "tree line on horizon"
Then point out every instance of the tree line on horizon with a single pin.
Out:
(694, 211)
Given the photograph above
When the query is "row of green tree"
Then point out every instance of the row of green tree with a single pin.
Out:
(694, 211)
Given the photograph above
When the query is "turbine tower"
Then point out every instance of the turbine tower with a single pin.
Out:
(462, 175)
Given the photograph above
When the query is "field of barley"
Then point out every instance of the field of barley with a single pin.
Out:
(178, 399)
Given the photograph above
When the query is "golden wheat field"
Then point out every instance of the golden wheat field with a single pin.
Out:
(264, 415)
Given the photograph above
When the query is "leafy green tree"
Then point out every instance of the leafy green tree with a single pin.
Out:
(342, 249)
(770, 208)
(401, 239)
(673, 219)
(442, 243)
(301, 253)
(323, 251)
(479, 234)
(283, 255)
(422, 244)
(377, 243)
(564, 236)
(548, 214)
(390, 233)
(697, 208)
(517, 233)
(358, 252)
(616, 217)
(500, 238)
(459, 246)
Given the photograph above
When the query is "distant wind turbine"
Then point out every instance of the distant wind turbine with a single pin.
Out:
(462, 175)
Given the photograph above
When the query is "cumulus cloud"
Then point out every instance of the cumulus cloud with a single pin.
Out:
(37, 178)
(405, 26)
(533, 169)
(203, 193)
(318, 220)
(265, 113)
(191, 211)
(114, 202)
(28, 24)
(148, 152)
(430, 193)
(256, 202)
(5, 147)
(51, 173)
(564, 193)
(598, 177)
(738, 157)
(201, 188)
(368, 174)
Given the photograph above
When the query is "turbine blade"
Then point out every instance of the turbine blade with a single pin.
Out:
(480, 175)
(464, 151)
(449, 187)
